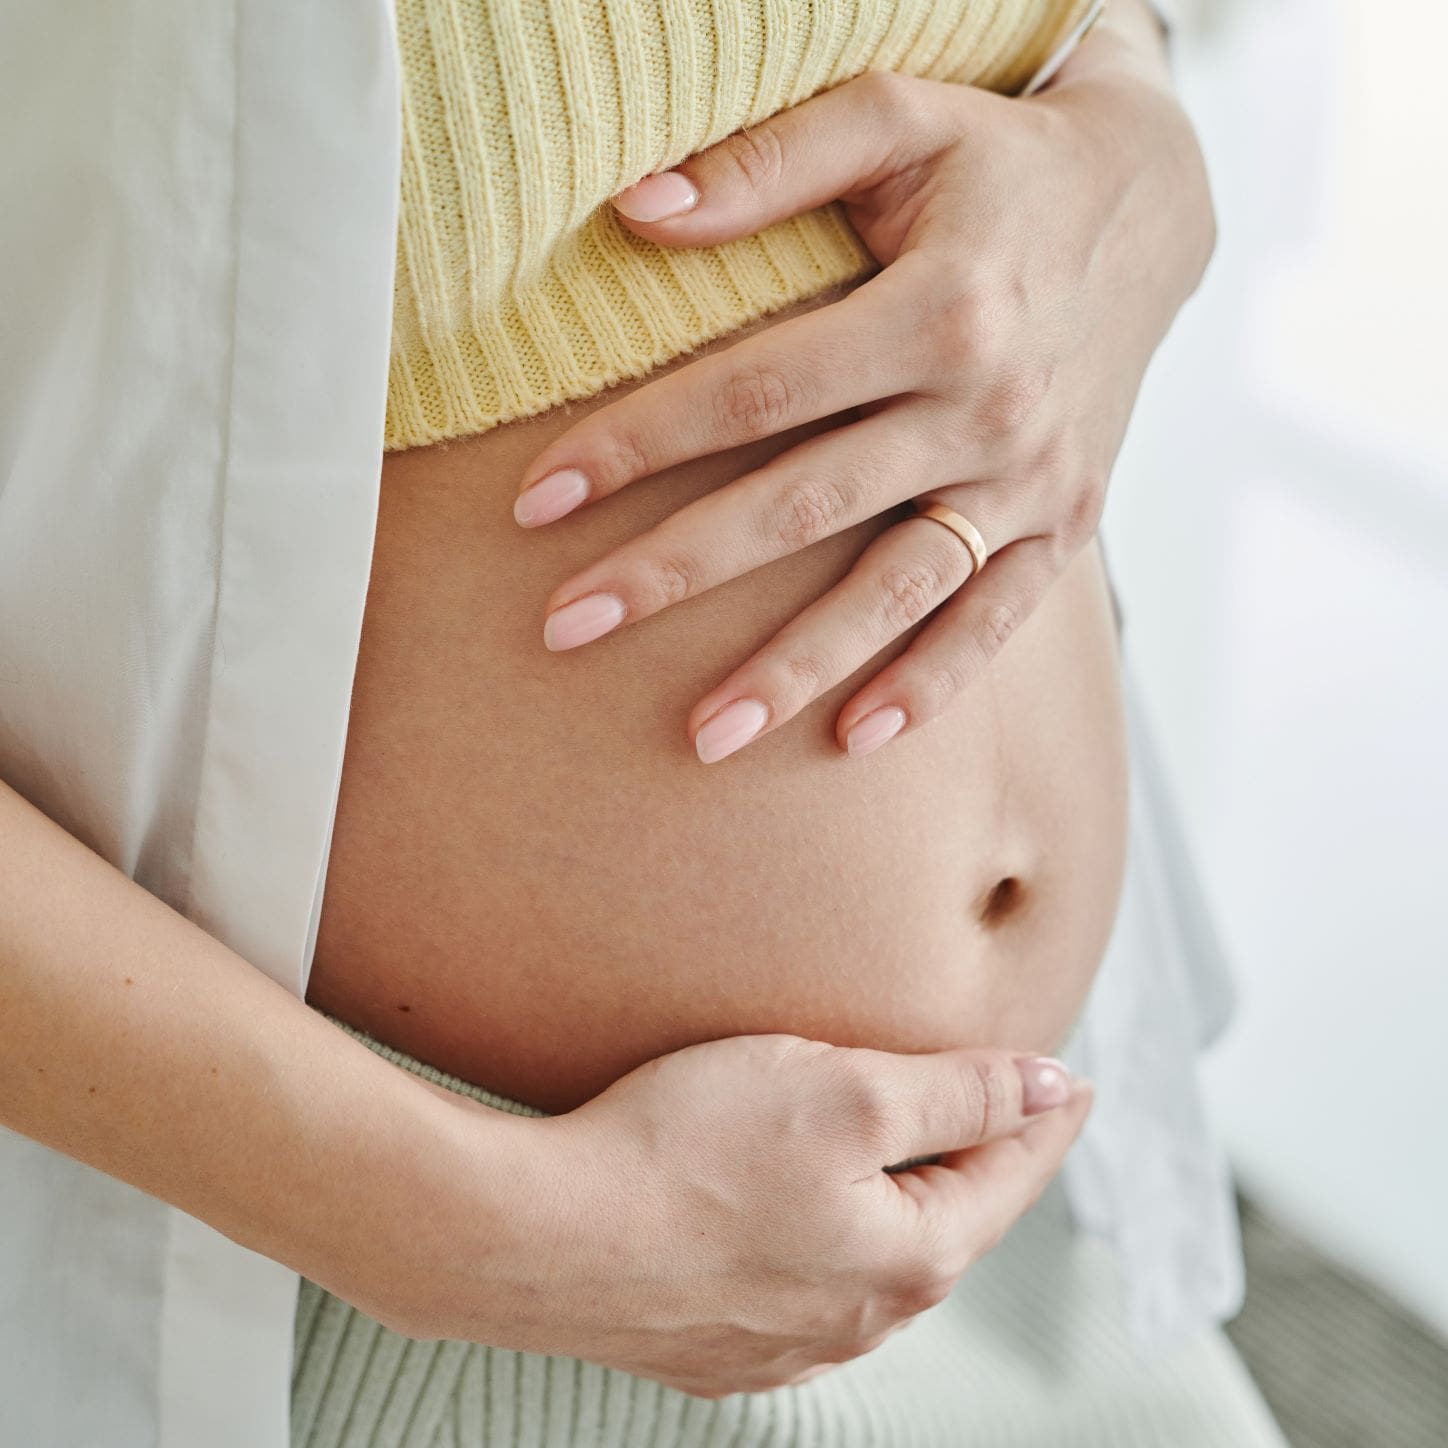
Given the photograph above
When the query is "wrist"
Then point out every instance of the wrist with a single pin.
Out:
(450, 1232)
(1142, 144)
(1129, 37)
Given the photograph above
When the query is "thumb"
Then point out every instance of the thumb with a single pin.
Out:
(945, 1101)
(973, 1198)
(838, 144)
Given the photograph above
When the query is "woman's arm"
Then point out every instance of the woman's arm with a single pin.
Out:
(1130, 39)
(133, 1041)
(624, 1232)
(1034, 253)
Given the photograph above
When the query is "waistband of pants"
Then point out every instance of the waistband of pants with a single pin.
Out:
(431, 1073)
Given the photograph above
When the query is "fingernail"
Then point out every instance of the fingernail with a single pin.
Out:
(655, 198)
(730, 729)
(1045, 1083)
(551, 497)
(583, 620)
(876, 728)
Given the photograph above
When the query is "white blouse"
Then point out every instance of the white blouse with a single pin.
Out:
(196, 250)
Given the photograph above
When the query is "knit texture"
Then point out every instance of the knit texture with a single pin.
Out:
(517, 289)
(1029, 1351)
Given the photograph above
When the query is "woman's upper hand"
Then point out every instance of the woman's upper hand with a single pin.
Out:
(720, 1219)
(1034, 253)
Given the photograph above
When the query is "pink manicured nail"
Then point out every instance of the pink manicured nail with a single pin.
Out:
(730, 729)
(583, 620)
(1045, 1083)
(551, 497)
(875, 729)
(656, 198)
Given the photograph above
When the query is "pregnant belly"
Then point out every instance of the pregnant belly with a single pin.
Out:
(536, 885)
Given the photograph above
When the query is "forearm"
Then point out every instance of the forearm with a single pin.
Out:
(1117, 86)
(1130, 37)
(135, 1042)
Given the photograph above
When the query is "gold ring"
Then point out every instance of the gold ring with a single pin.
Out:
(962, 527)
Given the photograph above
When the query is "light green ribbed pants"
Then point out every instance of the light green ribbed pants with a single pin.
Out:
(1029, 1351)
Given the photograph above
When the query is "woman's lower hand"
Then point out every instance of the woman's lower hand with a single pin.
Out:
(720, 1219)
(1034, 253)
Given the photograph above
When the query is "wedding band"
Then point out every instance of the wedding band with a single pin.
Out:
(963, 529)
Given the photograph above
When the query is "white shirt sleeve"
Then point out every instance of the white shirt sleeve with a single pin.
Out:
(1169, 12)
(196, 267)
(1062, 53)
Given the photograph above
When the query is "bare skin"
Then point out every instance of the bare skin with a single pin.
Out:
(535, 884)
(1033, 252)
(527, 850)
(645, 1232)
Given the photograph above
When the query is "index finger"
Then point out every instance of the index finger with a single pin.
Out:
(796, 371)
(837, 144)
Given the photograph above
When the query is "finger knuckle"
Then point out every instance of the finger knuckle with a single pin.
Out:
(893, 96)
(757, 156)
(863, 1345)
(804, 675)
(921, 1284)
(1010, 400)
(808, 511)
(1088, 502)
(937, 687)
(930, 1292)
(760, 398)
(910, 591)
(856, 1347)
(866, 1103)
(963, 328)
(669, 580)
(882, 87)
(998, 621)
(774, 1046)
(770, 1052)
(620, 454)
(866, 1312)
(987, 1098)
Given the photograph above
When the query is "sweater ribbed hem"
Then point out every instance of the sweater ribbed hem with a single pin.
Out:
(625, 307)
(517, 289)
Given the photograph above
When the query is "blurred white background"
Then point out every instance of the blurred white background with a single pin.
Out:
(1279, 530)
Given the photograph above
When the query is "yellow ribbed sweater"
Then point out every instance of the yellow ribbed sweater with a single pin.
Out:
(516, 287)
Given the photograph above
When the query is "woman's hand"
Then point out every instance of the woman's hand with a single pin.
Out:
(720, 1219)
(1035, 252)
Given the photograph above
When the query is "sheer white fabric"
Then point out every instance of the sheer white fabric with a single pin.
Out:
(196, 250)
(196, 255)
